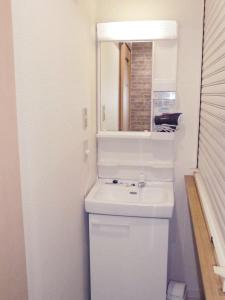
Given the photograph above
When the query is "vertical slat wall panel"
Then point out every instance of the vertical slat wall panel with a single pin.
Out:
(211, 158)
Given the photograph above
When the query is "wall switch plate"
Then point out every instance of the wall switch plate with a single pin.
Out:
(85, 117)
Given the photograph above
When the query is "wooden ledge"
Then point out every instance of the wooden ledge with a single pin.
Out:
(212, 284)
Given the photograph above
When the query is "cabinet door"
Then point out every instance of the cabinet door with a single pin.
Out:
(128, 258)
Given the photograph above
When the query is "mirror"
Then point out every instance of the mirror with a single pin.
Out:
(137, 80)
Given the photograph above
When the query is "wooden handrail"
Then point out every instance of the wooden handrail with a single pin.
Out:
(212, 284)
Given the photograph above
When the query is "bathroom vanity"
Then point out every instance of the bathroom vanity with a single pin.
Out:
(128, 227)
(132, 201)
(129, 211)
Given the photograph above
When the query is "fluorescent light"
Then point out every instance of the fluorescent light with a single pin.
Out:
(136, 30)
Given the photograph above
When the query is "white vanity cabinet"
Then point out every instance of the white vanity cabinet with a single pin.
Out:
(132, 200)
(128, 257)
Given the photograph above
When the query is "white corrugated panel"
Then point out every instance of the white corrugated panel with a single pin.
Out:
(211, 158)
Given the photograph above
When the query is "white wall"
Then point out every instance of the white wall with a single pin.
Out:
(55, 77)
(189, 16)
(164, 70)
(13, 279)
(110, 72)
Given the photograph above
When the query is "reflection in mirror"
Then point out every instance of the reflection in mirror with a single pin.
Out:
(137, 81)
(135, 85)
(126, 84)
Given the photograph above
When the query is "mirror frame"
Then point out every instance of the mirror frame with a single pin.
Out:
(132, 31)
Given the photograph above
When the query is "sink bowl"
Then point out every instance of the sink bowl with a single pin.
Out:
(154, 200)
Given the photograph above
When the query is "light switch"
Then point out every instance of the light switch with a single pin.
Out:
(103, 113)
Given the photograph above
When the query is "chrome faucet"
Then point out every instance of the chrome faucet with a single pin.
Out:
(141, 183)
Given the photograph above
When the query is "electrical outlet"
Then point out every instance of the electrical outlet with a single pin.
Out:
(86, 150)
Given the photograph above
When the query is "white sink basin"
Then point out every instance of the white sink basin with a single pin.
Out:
(155, 200)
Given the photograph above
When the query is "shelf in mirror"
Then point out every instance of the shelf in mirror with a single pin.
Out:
(131, 163)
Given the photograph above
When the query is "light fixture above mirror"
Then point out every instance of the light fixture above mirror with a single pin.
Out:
(137, 30)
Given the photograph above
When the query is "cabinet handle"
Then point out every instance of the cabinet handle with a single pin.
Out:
(110, 227)
(110, 224)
